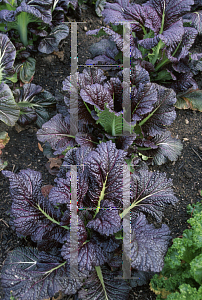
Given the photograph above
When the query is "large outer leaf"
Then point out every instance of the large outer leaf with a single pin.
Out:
(105, 166)
(25, 273)
(57, 133)
(151, 191)
(142, 100)
(27, 70)
(7, 56)
(173, 9)
(51, 42)
(115, 288)
(148, 245)
(163, 112)
(38, 8)
(113, 12)
(28, 203)
(9, 111)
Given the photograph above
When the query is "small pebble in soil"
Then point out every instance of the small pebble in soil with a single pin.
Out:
(200, 148)
(188, 174)
(186, 121)
(85, 28)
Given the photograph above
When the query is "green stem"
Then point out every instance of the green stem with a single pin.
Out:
(157, 50)
(149, 116)
(87, 107)
(163, 19)
(50, 218)
(22, 22)
(135, 203)
(143, 148)
(99, 274)
(102, 194)
(50, 271)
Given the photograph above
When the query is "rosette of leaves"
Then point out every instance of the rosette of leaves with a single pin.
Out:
(159, 40)
(9, 111)
(181, 274)
(32, 18)
(89, 191)
(33, 102)
(101, 116)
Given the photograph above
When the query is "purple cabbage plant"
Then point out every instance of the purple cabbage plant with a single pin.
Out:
(160, 37)
(88, 205)
(26, 20)
(102, 118)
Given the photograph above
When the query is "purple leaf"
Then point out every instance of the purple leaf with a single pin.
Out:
(114, 288)
(28, 278)
(7, 56)
(151, 191)
(113, 12)
(29, 208)
(142, 100)
(97, 95)
(148, 245)
(196, 20)
(57, 133)
(105, 166)
(163, 112)
(37, 8)
(174, 9)
(107, 220)
(139, 76)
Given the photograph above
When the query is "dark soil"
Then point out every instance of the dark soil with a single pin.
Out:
(22, 151)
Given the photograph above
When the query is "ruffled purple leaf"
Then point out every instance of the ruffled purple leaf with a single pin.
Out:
(168, 148)
(139, 76)
(29, 207)
(152, 191)
(60, 194)
(149, 43)
(183, 83)
(113, 12)
(89, 255)
(25, 273)
(7, 16)
(124, 142)
(7, 57)
(107, 220)
(57, 133)
(97, 95)
(163, 112)
(148, 245)
(142, 100)
(37, 8)
(114, 288)
(195, 19)
(173, 34)
(51, 42)
(105, 166)
(174, 9)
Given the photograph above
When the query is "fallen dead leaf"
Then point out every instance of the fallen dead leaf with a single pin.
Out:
(59, 54)
(40, 148)
(45, 189)
(19, 128)
(55, 162)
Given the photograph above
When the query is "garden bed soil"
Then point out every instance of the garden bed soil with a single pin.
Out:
(22, 151)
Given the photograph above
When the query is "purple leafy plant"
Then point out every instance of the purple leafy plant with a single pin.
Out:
(160, 41)
(101, 117)
(40, 271)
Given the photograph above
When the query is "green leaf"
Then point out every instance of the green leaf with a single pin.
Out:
(155, 55)
(27, 70)
(111, 123)
(192, 99)
(163, 76)
(99, 274)
(196, 268)
(9, 111)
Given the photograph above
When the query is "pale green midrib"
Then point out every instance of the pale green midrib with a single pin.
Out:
(99, 274)
(135, 203)
(49, 217)
(102, 194)
(50, 271)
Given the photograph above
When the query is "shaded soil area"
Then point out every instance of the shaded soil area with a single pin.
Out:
(22, 151)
